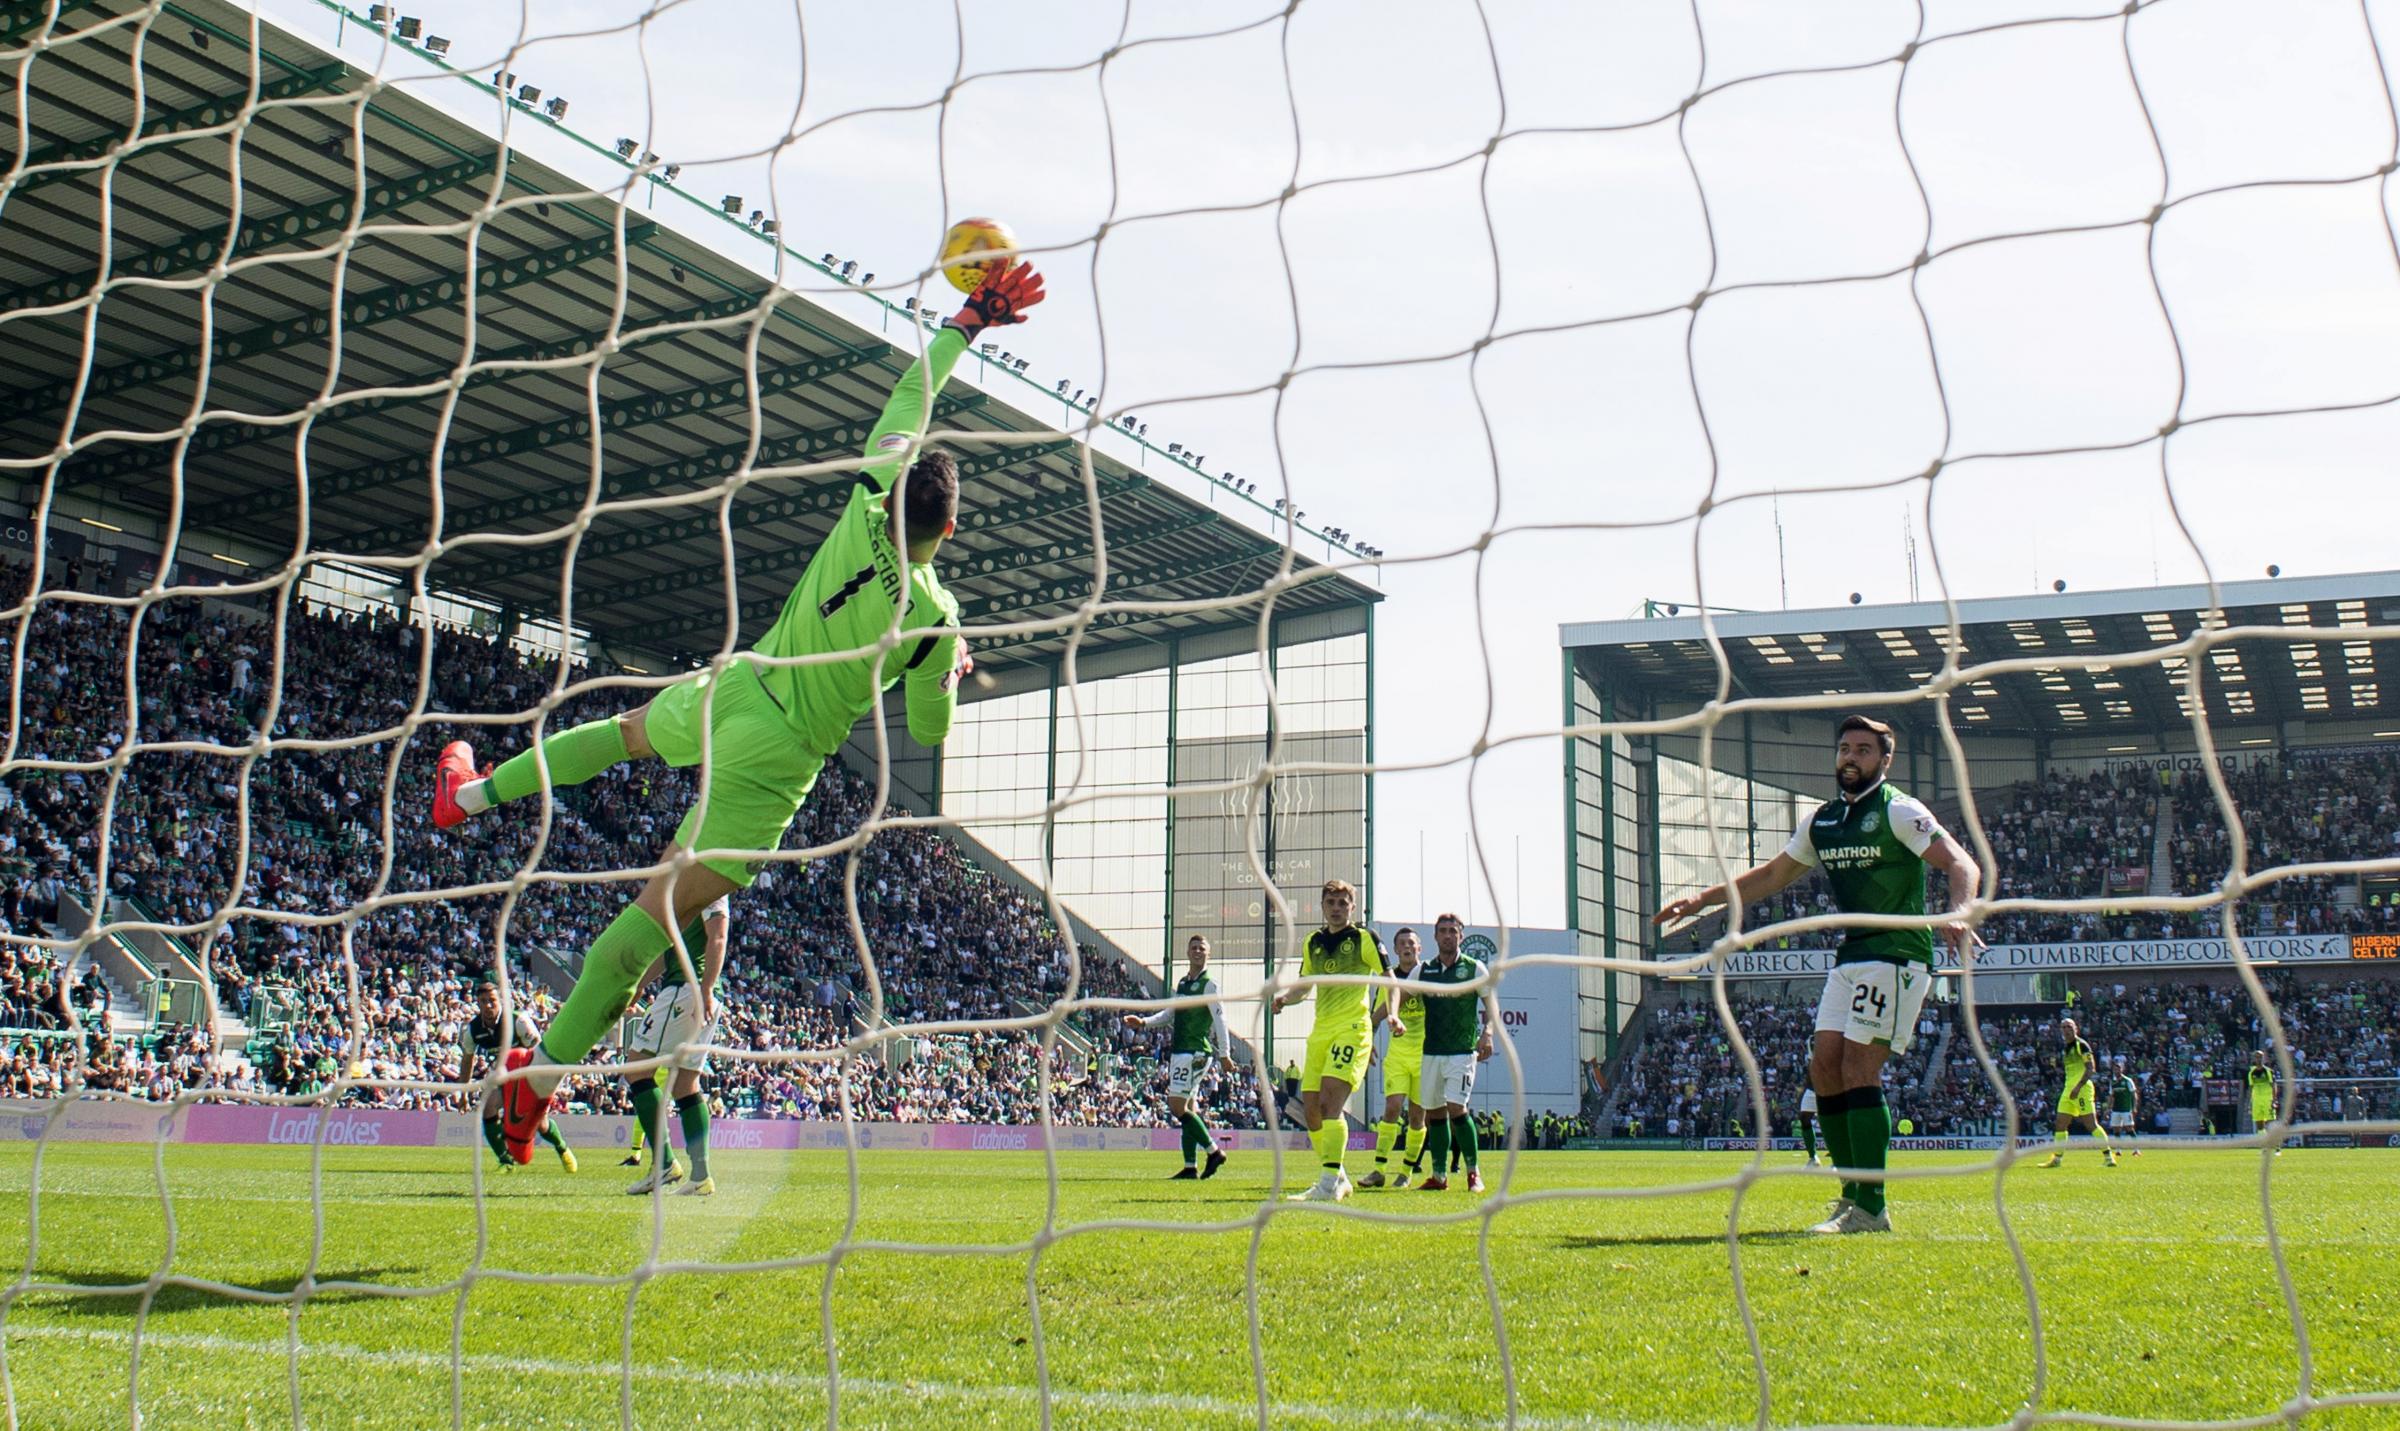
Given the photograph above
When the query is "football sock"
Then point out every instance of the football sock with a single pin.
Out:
(692, 1111)
(1195, 1137)
(1469, 1141)
(615, 963)
(575, 755)
(1387, 1133)
(2102, 1134)
(1416, 1146)
(551, 1135)
(645, 1113)
(1833, 1115)
(2058, 1139)
(1870, 1140)
(493, 1136)
(1437, 1141)
(1808, 1134)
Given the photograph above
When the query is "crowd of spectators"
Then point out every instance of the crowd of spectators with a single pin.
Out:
(2093, 837)
(379, 992)
(2184, 1043)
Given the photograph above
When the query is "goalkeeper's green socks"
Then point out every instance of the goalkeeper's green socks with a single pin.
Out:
(553, 1137)
(692, 1111)
(1387, 1133)
(1870, 1141)
(575, 755)
(1195, 1137)
(497, 1141)
(1437, 1140)
(614, 964)
(1414, 1154)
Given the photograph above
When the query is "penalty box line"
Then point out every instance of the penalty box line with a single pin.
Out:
(913, 1389)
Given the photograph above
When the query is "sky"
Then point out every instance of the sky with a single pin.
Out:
(1431, 272)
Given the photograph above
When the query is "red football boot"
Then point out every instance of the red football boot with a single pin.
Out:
(456, 769)
(523, 1112)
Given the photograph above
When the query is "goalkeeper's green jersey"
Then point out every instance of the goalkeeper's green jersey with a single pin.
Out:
(846, 597)
(1352, 951)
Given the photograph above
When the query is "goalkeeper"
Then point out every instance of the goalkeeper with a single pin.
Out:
(766, 730)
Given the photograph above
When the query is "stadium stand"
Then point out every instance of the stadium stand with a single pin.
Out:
(951, 941)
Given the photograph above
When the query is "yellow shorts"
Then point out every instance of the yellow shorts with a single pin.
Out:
(1336, 1053)
(2078, 1106)
(1402, 1063)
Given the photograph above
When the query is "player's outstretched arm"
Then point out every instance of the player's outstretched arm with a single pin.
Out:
(1757, 883)
(1951, 858)
(1007, 291)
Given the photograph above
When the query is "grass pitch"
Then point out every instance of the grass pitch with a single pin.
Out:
(2158, 1298)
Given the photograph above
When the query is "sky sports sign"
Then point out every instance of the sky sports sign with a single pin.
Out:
(2099, 955)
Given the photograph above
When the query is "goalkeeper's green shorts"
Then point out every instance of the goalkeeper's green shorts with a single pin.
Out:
(757, 773)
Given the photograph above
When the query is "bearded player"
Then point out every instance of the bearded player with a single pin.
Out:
(1403, 1059)
(765, 730)
(1875, 845)
(1197, 1038)
(2077, 1096)
(681, 1019)
(1456, 1039)
(479, 1043)
(1341, 1043)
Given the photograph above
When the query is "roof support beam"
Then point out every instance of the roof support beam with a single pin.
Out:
(575, 430)
(26, 16)
(713, 574)
(196, 251)
(814, 500)
(1121, 584)
(205, 115)
(710, 466)
(360, 310)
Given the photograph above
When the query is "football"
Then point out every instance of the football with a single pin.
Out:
(978, 236)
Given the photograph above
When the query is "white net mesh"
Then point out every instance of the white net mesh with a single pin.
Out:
(271, 155)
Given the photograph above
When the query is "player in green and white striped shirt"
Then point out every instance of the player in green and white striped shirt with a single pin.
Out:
(1874, 844)
(1198, 1034)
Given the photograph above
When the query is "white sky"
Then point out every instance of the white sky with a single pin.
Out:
(2282, 297)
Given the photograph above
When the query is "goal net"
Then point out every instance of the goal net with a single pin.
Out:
(373, 379)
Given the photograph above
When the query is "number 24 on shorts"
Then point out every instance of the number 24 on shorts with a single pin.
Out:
(1863, 994)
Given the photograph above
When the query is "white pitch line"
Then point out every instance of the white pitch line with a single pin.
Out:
(1143, 1402)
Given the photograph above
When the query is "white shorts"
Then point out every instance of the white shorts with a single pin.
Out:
(1183, 1073)
(1808, 1100)
(2118, 1120)
(671, 1022)
(1874, 1002)
(1445, 1079)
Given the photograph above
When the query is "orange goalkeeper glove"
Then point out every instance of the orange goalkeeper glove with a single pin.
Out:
(1008, 289)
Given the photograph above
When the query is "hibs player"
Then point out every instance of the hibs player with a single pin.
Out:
(681, 1019)
(1875, 845)
(2124, 1101)
(1455, 1041)
(1196, 1039)
(866, 614)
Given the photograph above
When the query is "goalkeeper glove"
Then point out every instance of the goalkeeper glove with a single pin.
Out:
(1008, 289)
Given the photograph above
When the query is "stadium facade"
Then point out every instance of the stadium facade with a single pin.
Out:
(2078, 695)
(412, 428)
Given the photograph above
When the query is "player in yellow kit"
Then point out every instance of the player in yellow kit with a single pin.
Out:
(2076, 1098)
(1342, 1042)
(1403, 1058)
(2261, 1079)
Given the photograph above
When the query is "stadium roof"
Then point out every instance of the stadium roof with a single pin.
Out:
(1883, 648)
(518, 453)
